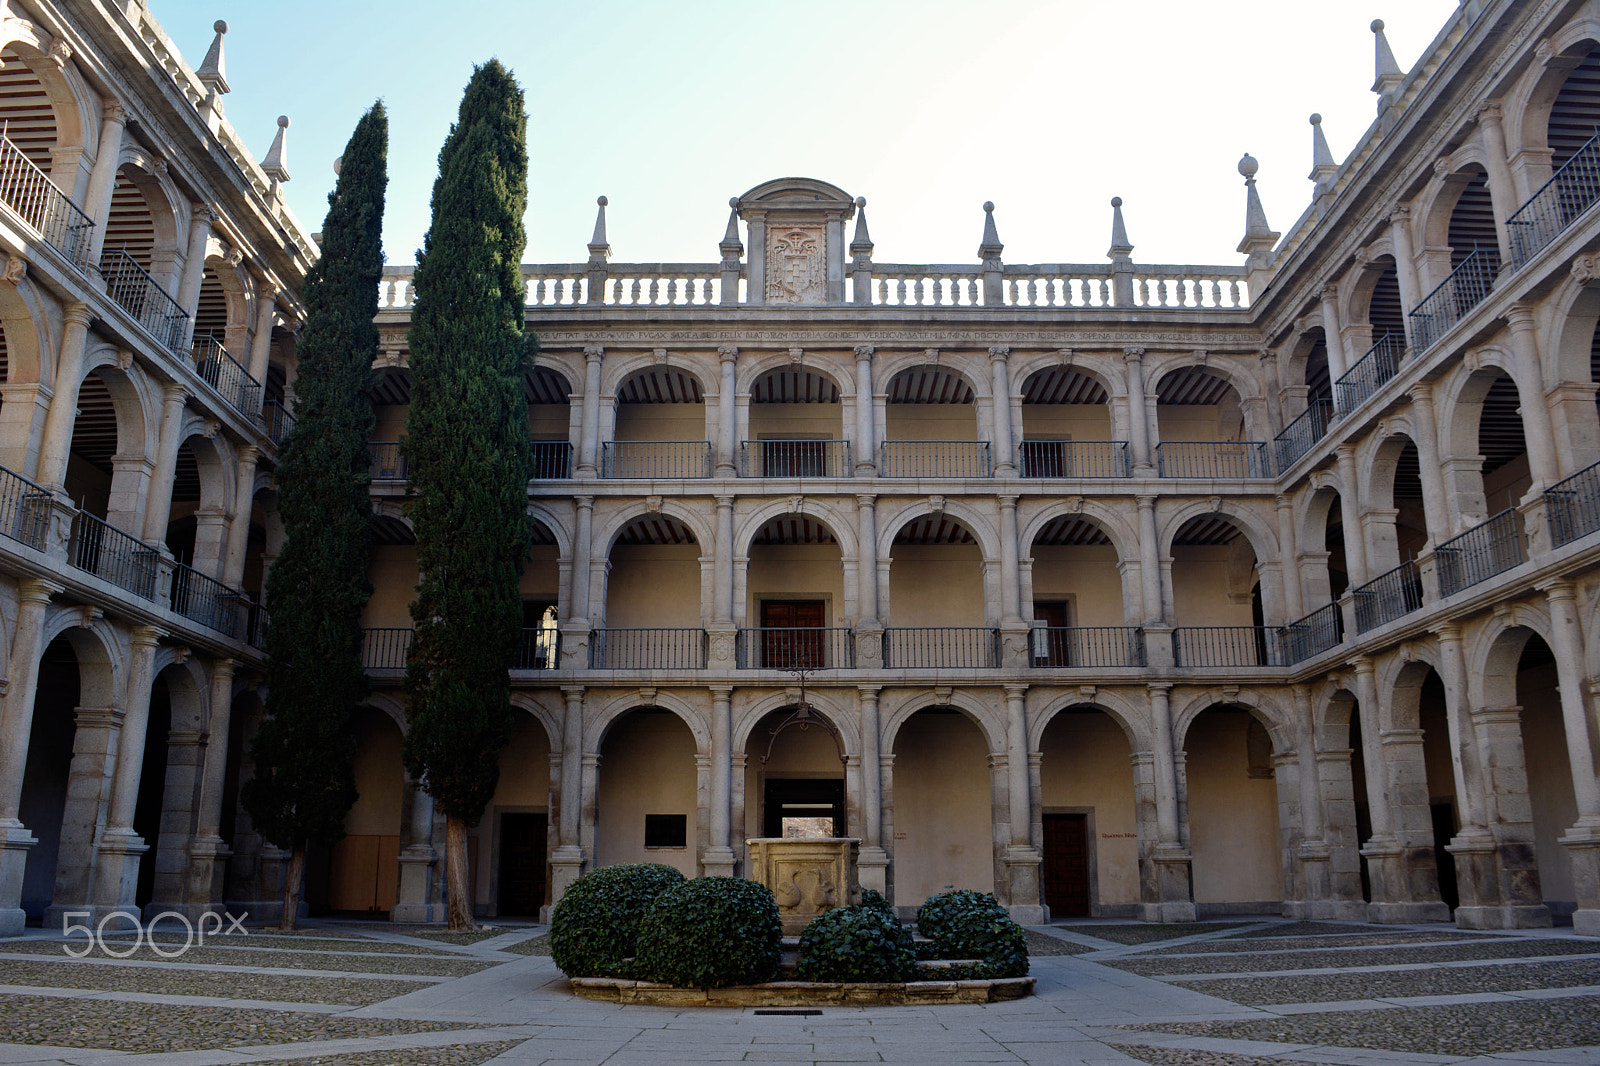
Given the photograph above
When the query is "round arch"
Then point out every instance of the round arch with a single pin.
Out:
(616, 374)
(1464, 393)
(214, 456)
(549, 719)
(599, 724)
(1278, 723)
(1262, 535)
(980, 526)
(1311, 533)
(822, 512)
(540, 512)
(187, 688)
(1438, 199)
(758, 366)
(1131, 719)
(1379, 456)
(1111, 523)
(887, 366)
(564, 365)
(1158, 368)
(608, 532)
(914, 700)
(137, 412)
(71, 101)
(102, 666)
(1493, 652)
(32, 325)
(396, 710)
(1096, 368)
(162, 199)
(822, 702)
(1355, 293)
(1527, 107)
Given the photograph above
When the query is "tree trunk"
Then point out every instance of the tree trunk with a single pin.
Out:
(291, 887)
(456, 881)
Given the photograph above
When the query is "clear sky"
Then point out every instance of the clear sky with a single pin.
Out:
(925, 107)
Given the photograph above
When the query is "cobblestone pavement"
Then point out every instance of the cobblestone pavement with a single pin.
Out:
(1247, 992)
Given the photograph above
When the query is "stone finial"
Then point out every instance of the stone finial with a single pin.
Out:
(1388, 73)
(731, 244)
(1258, 236)
(599, 247)
(991, 246)
(276, 163)
(1322, 164)
(861, 244)
(213, 73)
(1120, 246)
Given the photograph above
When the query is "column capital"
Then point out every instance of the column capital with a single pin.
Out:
(863, 351)
(998, 353)
(866, 499)
(1345, 450)
(174, 392)
(1008, 501)
(572, 692)
(1159, 688)
(1132, 353)
(221, 668)
(584, 503)
(1330, 292)
(1016, 691)
(1363, 664)
(1448, 632)
(114, 114)
(78, 314)
(728, 352)
(1491, 114)
(146, 636)
(204, 215)
(249, 455)
(1400, 214)
(1519, 316)
(593, 353)
(1422, 392)
(869, 692)
(1146, 502)
(724, 501)
(36, 591)
(1555, 589)
(1284, 500)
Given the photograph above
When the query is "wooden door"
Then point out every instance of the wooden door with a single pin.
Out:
(1066, 864)
(522, 858)
(793, 637)
(1052, 649)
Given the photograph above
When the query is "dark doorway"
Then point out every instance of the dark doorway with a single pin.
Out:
(1051, 647)
(1066, 864)
(1444, 827)
(801, 799)
(793, 634)
(152, 787)
(522, 847)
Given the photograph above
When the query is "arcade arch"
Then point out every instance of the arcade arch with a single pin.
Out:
(1089, 824)
(1228, 779)
(938, 808)
(646, 806)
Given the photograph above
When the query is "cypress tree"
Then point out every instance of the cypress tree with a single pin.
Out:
(469, 455)
(304, 753)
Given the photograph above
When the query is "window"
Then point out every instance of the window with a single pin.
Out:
(666, 830)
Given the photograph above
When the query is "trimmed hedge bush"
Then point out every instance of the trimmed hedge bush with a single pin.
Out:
(595, 927)
(861, 943)
(964, 924)
(711, 932)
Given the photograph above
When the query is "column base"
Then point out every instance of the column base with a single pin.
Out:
(1024, 900)
(872, 870)
(717, 862)
(1530, 916)
(1166, 913)
(117, 878)
(1583, 846)
(208, 866)
(1408, 913)
(1173, 888)
(566, 866)
(15, 842)
(419, 914)
(413, 906)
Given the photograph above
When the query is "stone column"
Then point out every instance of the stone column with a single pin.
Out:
(1382, 849)
(160, 507)
(1542, 465)
(180, 787)
(239, 527)
(94, 753)
(1582, 841)
(1435, 502)
(1502, 189)
(1138, 415)
(103, 179)
(866, 457)
(566, 862)
(1314, 855)
(1294, 603)
(117, 878)
(1405, 261)
(1171, 858)
(722, 631)
(1149, 562)
(869, 626)
(63, 412)
(201, 219)
(718, 859)
(417, 901)
(1022, 861)
(589, 449)
(22, 416)
(16, 723)
(1355, 548)
(1331, 333)
(1013, 628)
(1000, 372)
(727, 408)
(872, 862)
(208, 854)
(261, 339)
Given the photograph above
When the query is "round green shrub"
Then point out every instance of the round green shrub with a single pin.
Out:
(964, 924)
(596, 924)
(711, 932)
(861, 943)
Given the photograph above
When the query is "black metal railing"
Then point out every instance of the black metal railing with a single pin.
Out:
(132, 288)
(1210, 646)
(935, 458)
(1370, 372)
(1312, 635)
(656, 459)
(1213, 459)
(256, 624)
(1066, 647)
(1574, 506)
(385, 649)
(276, 421)
(1074, 458)
(796, 648)
(794, 458)
(1449, 303)
(1491, 547)
(1570, 192)
(647, 649)
(105, 551)
(225, 374)
(539, 649)
(942, 648)
(1301, 435)
(29, 192)
(1388, 596)
(552, 460)
(24, 509)
(206, 600)
(387, 462)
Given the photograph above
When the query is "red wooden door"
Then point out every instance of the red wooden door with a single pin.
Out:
(1066, 864)
(800, 649)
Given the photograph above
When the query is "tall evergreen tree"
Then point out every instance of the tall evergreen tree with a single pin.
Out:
(469, 456)
(304, 753)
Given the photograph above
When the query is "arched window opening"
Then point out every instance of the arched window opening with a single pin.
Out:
(49, 766)
(1200, 424)
(1213, 571)
(1319, 382)
(391, 403)
(27, 116)
(549, 422)
(1090, 821)
(540, 589)
(1066, 427)
(796, 427)
(1333, 543)
(1506, 475)
(511, 842)
(653, 598)
(211, 314)
(931, 426)
(94, 442)
(1233, 809)
(1552, 803)
(1575, 115)
(794, 784)
(660, 428)
(942, 812)
(936, 584)
(1078, 593)
(646, 809)
(1472, 224)
(795, 598)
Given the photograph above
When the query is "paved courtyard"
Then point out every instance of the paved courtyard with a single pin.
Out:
(1240, 993)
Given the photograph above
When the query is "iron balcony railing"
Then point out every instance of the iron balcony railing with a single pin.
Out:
(206, 600)
(1312, 635)
(387, 462)
(257, 624)
(29, 192)
(276, 421)
(1388, 596)
(1491, 547)
(935, 458)
(385, 649)
(656, 459)
(647, 649)
(224, 373)
(1302, 434)
(794, 458)
(796, 648)
(1213, 459)
(1075, 458)
(539, 649)
(552, 460)
(105, 551)
(1574, 505)
(1448, 304)
(1570, 192)
(132, 288)
(1068, 647)
(1370, 372)
(1237, 646)
(24, 510)
(942, 648)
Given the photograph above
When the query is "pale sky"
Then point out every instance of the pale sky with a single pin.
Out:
(925, 107)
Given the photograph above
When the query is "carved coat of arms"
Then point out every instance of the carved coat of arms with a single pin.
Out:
(796, 273)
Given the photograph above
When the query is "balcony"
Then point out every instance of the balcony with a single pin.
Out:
(1071, 647)
(1214, 459)
(29, 192)
(656, 459)
(1312, 635)
(552, 460)
(1302, 434)
(1458, 294)
(1489, 548)
(224, 373)
(1369, 373)
(944, 648)
(385, 649)
(1075, 458)
(276, 421)
(24, 510)
(1388, 596)
(205, 600)
(1226, 646)
(1574, 506)
(387, 464)
(797, 648)
(539, 648)
(108, 553)
(1570, 192)
(935, 459)
(647, 649)
(136, 292)
(794, 458)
